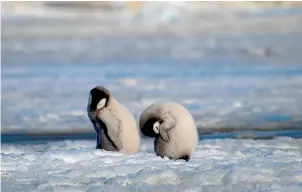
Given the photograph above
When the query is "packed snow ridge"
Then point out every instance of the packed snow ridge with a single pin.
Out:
(217, 165)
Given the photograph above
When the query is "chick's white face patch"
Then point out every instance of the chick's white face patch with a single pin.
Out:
(156, 127)
(101, 104)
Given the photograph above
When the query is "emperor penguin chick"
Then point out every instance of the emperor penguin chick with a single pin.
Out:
(173, 128)
(115, 126)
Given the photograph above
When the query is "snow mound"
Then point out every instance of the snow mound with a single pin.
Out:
(227, 165)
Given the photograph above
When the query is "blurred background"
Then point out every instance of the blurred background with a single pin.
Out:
(234, 65)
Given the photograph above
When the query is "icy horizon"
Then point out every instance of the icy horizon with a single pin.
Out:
(252, 81)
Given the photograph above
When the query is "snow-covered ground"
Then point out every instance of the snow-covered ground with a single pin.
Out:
(218, 165)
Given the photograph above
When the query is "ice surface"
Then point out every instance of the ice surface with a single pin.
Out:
(237, 79)
(45, 81)
(217, 165)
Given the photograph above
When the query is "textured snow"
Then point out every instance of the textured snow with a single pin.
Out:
(217, 165)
